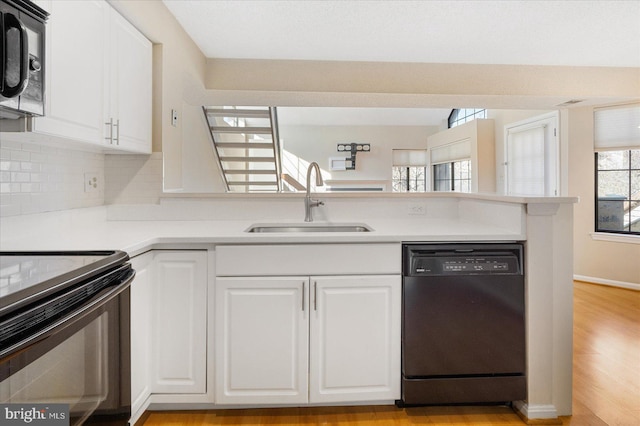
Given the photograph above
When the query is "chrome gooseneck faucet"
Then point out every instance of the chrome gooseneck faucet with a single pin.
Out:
(308, 202)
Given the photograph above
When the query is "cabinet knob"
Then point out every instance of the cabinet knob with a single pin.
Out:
(35, 65)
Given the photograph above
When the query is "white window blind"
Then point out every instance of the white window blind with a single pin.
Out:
(409, 158)
(525, 159)
(617, 128)
(456, 151)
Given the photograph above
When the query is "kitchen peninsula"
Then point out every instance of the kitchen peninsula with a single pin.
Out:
(209, 226)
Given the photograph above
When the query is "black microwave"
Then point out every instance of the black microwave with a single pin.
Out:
(22, 62)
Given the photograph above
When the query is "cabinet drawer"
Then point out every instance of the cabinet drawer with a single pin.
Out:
(308, 259)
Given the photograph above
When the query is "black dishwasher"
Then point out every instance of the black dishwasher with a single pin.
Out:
(463, 323)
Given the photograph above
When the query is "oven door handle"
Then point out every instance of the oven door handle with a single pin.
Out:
(91, 305)
(11, 21)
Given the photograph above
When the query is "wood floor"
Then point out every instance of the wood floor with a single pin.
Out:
(606, 381)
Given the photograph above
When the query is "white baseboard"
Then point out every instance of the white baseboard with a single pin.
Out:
(612, 283)
(135, 416)
(536, 411)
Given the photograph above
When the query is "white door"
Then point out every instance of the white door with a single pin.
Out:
(355, 339)
(131, 86)
(76, 71)
(262, 340)
(532, 157)
(179, 345)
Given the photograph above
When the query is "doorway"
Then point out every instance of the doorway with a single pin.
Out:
(532, 153)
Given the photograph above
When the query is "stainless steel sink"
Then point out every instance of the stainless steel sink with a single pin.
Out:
(310, 227)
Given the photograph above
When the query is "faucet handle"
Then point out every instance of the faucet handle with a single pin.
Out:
(315, 203)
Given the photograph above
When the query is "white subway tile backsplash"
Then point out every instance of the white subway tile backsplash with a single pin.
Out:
(38, 157)
(20, 156)
(133, 179)
(11, 145)
(37, 178)
(20, 177)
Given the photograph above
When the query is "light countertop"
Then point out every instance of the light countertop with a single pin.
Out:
(72, 232)
(180, 222)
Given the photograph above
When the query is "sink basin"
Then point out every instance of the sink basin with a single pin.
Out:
(310, 227)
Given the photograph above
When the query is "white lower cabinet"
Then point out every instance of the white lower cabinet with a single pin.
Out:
(261, 340)
(168, 326)
(355, 339)
(299, 339)
(179, 322)
(141, 296)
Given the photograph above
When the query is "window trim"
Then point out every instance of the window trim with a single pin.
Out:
(596, 230)
(615, 237)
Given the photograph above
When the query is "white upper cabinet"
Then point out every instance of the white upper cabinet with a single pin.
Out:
(130, 89)
(98, 78)
(76, 71)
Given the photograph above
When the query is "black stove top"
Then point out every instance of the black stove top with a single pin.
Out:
(25, 276)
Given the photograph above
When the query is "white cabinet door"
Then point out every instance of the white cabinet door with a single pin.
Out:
(355, 339)
(130, 86)
(98, 78)
(76, 71)
(262, 340)
(179, 312)
(141, 295)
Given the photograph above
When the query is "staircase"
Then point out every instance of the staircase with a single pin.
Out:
(246, 144)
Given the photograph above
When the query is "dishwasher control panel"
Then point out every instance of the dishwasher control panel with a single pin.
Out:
(425, 260)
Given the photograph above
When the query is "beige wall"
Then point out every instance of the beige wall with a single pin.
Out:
(184, 75)
(178, 64)
(319, 143)
(480, 133)
(602, 260)
(426, 85)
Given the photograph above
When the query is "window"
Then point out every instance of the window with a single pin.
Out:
(409, 179)
(617, 169)
(618, 191)
(452, 166)
(454, 176)
(531, 166)
(409, 172)
(463, 115)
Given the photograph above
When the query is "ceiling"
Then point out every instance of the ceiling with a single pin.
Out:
(517, 32)
(525, 32)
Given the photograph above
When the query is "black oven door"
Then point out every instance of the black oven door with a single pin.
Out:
(81, 360)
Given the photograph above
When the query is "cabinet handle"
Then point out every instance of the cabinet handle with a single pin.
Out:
(110, 137)
(117, 126)
(315, 296)
(304, 286)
